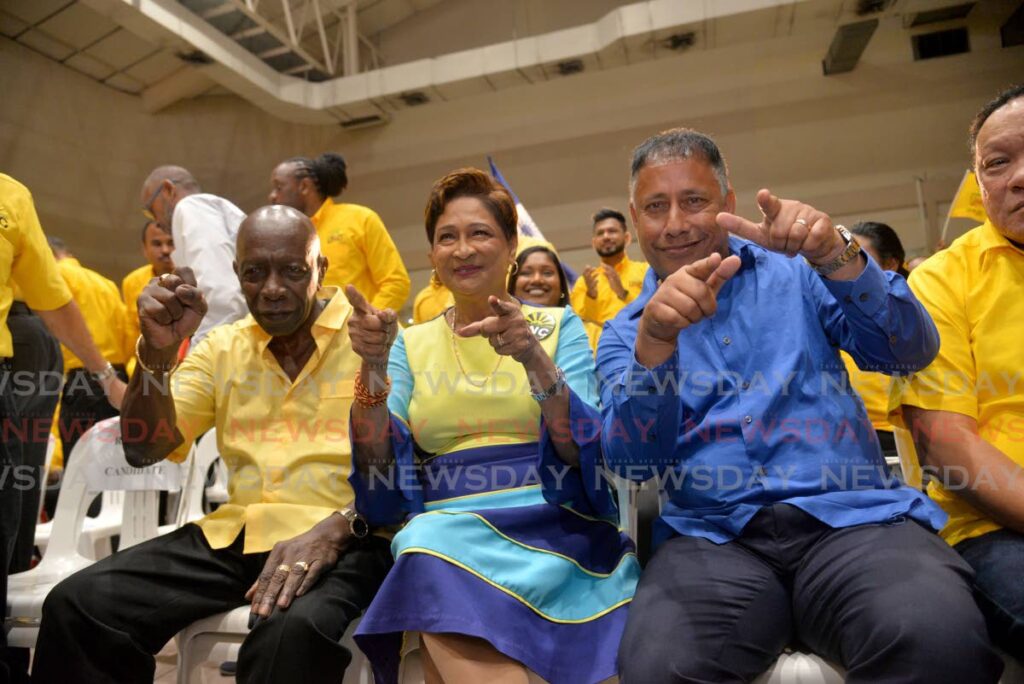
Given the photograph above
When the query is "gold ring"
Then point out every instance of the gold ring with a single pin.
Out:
(802, 222)
(301, 564)
(283, 568)
(162, 276)
(501, 342)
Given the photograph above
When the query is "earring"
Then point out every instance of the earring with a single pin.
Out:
(513, 269)
(434, 280)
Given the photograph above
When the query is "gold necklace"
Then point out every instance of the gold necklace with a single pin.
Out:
(458, 358)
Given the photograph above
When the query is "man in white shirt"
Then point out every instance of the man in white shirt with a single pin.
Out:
(204, 228)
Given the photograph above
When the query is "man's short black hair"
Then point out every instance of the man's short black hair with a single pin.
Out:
(145, 227)
(606, 213)
(998, 102)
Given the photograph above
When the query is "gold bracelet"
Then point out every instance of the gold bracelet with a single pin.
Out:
(143, 366)
(368, 399)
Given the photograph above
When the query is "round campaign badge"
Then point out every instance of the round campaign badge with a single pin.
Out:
(541, 323)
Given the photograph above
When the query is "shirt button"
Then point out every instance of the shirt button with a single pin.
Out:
(748, 420)
(745, 385)
(863, 296)
(892, 339)
(726, 340)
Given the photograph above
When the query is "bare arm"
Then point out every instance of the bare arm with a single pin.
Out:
(949, 444)
(372, 332)
(68, 326)
(170, 310)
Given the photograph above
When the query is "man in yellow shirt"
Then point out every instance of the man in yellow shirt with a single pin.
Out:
(157, 247)
(82, 402)
(358, 248)
(278, 387)
(26, 261)
(966, 410)
(601, 292)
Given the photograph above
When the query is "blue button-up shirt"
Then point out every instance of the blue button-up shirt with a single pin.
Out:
(755, 407)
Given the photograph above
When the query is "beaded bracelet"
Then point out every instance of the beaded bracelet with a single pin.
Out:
(367, 399)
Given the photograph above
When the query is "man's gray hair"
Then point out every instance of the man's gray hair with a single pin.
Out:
(677, 144)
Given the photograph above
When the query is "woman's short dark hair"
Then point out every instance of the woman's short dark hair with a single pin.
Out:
(328, 171)
(563, 282)
(470, 182)
(885, 240)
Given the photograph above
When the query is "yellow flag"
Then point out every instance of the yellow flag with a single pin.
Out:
(967, 203)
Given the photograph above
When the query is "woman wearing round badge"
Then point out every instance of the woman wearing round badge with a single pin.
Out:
(484, 437)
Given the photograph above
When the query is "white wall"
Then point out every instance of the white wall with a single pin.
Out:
(851, 144)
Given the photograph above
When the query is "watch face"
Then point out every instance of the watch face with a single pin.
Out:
(359, 527)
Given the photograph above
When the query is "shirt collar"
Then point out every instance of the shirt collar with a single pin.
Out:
(991, 239)
(324, 209)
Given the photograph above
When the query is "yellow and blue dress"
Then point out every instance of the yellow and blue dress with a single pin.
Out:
(503, 541)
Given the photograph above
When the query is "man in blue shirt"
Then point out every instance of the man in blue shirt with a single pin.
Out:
(781, 525)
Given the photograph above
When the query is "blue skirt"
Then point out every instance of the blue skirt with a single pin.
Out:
(489, 557)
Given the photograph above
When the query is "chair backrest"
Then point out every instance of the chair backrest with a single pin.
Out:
(909, 463)
(51, 444)
(97, 464)
(203, 456)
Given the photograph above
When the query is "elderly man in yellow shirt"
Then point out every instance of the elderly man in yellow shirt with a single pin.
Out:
(966, 410)
(26, 261)
(358, 248)
(82, 402)
(278, 387)
(157, 247)
(602, 291)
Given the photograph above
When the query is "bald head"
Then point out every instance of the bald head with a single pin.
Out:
(164, 187)
(177, 175)
(279, 267)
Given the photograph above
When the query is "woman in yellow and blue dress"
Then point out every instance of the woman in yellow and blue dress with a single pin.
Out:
(479, 429)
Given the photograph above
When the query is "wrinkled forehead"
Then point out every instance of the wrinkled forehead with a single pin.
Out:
(274, 240)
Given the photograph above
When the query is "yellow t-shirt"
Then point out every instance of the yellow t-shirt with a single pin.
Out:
(131, 288)
(430, 302)
(102, 308)
(285, 443)
(874, 389)
(973, 292)
(24, 257)
(595, 311)
(360, 252)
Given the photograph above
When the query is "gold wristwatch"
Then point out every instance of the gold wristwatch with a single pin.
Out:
(847, 255)
(357, 524)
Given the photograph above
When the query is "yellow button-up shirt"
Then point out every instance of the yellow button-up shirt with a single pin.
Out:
(26, 258)
(596, 310)
(285, 443)
(360, 252)
(874, 390)
(430, 302)
(131, 288)
(102, 309)
(973, 292)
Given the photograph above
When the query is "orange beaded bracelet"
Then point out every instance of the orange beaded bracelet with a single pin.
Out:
(367, 399)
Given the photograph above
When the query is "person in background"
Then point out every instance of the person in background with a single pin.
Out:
(514, 564)
(431, 301)
(914, 263)
(601, 292)
(157, 247)
(966, 410)
(203, 229)
(882, 244)
(83, 402)
(358, 248)
(27, 262)
(538, 278)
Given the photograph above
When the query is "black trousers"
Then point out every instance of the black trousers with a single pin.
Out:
(889, 602)
(35, 374)
(82, 405)
(105, 623)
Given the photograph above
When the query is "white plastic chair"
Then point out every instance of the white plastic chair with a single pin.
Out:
(203, 640)
(99, 465)
(190, 502)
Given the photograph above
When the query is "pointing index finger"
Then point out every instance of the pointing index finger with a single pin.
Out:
(357, 300)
